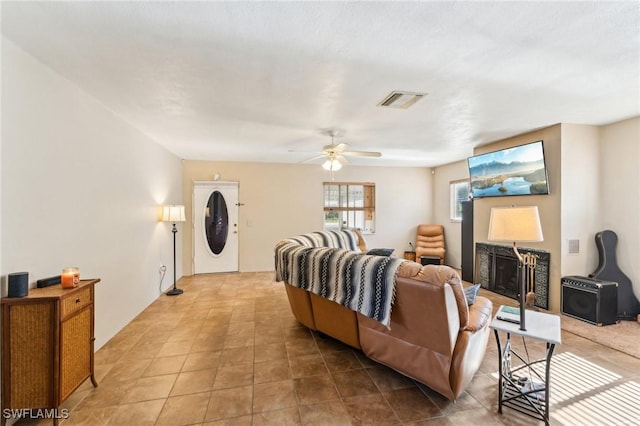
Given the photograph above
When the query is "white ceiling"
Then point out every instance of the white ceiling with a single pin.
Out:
(253, 81)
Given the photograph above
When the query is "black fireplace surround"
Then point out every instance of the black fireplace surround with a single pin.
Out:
(497, 271)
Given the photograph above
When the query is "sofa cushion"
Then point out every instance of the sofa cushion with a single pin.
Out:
(479, 314)
(380, 251)
(439, 275)
(470, 293)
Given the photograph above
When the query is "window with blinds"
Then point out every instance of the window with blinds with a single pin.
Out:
(350, 206)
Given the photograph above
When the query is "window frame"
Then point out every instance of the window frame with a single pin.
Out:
(455, 203)
(368, 207)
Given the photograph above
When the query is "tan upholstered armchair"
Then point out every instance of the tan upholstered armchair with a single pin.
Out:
(430, 243)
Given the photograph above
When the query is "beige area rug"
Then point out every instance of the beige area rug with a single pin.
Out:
(623, 336)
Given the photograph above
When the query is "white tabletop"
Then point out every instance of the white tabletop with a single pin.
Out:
(541, 326)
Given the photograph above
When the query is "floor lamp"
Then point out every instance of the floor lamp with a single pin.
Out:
(517, 224)
(173, 214)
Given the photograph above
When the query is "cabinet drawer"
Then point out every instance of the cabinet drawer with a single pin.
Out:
(76, 301)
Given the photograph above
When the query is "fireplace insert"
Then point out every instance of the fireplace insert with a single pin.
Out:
(497, 270)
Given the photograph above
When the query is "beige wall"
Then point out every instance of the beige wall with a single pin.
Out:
(620, 192)
(284, 200)
(443, 175)
(580, 218)
(80, 188)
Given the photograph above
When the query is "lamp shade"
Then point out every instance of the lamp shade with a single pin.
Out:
(515, 224)
(173, 213)
(332, 165)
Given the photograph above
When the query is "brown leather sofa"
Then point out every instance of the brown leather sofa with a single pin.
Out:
(433, 337)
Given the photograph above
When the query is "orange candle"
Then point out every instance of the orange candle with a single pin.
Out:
(67, 279)
(70, 277)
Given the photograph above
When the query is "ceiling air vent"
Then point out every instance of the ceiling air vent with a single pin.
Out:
(399, 99)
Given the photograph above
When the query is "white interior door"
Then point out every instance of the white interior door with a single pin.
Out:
(215, 227)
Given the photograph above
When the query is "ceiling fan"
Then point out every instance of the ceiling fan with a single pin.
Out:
(336, 154)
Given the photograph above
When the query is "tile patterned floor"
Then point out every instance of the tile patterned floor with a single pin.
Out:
(229, 352)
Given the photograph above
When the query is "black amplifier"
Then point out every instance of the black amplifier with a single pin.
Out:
(590, 300)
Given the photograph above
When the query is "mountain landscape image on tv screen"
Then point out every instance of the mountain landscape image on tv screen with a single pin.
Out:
(519, 170)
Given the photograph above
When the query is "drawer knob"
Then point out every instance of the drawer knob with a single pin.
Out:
(78, 300)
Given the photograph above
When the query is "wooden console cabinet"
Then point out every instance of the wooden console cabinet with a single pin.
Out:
(47, 346)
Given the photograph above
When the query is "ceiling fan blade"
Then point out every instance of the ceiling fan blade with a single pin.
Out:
(340, 147)
(306, 151)
(342, 159)
(362, 153)
(317, 157)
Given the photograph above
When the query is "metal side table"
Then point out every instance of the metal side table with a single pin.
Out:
(530, 397)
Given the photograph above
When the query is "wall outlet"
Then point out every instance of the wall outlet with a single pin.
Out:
(163, 268)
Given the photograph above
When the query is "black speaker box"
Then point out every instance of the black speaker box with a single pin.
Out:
(591, 300)
(46, 282)
(466, 229)
(18, 284)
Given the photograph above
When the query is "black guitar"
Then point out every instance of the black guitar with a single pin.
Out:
(608, 270)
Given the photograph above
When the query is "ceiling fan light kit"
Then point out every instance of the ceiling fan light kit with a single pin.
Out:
(332, 165)
(336, 153)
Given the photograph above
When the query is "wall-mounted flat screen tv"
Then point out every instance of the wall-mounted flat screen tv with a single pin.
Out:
(519, 170)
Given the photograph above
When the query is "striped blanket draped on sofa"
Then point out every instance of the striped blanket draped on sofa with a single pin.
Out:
(330, 264)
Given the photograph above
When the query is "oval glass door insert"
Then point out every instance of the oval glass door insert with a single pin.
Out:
(216, 222)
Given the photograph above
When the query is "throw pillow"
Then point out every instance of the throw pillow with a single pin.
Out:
(380, 251)
(471, 293)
